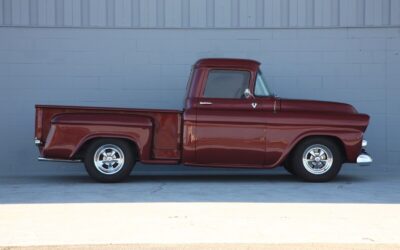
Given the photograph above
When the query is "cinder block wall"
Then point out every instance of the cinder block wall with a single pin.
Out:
(149, 68)
(138, 53)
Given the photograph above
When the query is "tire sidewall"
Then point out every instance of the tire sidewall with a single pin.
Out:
(129, 160)
(300, 170)
(289, 168)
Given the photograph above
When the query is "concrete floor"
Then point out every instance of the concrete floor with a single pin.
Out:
(361, 206)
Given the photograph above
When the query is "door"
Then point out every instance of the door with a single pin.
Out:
(229, 128)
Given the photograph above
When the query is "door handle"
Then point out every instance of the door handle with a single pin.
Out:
(205, 103)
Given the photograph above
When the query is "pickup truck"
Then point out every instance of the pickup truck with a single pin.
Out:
(230, 119)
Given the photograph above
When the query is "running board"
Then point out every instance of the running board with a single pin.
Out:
(59, 160)
(167, 162)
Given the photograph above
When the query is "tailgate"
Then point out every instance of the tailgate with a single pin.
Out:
(38, 124)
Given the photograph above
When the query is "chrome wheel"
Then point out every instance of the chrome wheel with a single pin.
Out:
(109, 159)
(317, 159)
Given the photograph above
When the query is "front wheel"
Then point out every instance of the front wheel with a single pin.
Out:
(316, 160)
(109, 160)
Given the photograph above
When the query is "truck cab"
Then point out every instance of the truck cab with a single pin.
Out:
(225, 114)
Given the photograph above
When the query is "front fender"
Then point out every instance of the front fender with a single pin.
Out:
(278, 150)
(69, 132)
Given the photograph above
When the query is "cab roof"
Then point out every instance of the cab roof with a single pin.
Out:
(228, 62)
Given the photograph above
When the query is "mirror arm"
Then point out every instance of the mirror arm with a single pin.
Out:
(248, 94)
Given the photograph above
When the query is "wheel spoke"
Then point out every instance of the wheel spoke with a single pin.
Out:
(109, 159)
(317, 159)
(110, 166)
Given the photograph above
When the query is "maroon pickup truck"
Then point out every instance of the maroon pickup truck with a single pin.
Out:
(230, 119)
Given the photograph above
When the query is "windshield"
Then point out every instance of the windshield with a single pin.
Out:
(261, 88)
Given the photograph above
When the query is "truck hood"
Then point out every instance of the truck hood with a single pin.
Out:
(316, 106)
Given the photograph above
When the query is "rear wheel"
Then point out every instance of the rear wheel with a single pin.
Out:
(288, 168)
(109, 160)
(316, 159)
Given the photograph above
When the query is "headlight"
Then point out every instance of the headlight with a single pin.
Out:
(364, 143)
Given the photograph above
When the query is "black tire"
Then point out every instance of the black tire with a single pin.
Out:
(288, 168)
(308, 172)
(116, 171)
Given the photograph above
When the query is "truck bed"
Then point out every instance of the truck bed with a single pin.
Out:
(166, 144)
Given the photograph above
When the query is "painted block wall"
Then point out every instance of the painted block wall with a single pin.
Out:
(149, 68)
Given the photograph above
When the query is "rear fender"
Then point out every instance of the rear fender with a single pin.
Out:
(69, 132)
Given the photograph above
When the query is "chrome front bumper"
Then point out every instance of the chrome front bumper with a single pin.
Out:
(364, 159)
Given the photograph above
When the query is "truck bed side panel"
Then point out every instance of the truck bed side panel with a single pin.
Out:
(166, 126)
(69, 132)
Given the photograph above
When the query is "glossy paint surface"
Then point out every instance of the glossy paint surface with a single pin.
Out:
(64, 129)
(232, 133)
(256, 132)
(68, 132)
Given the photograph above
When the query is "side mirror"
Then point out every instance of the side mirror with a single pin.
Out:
(248, 94)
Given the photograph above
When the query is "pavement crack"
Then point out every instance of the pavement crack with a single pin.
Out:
(159, 188)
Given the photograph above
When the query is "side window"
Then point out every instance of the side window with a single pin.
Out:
(226, 83)
(261, 88)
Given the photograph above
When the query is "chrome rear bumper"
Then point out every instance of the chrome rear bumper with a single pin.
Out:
(38, 142)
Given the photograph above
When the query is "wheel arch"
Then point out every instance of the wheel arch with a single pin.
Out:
(81, 149)
(332, 138)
